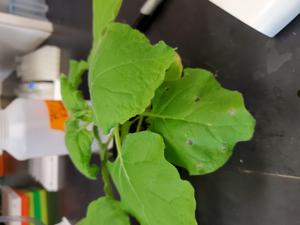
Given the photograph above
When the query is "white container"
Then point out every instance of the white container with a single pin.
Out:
(29, 8)
(36, 90)
(35, 128)
(19, 36)
(266, 16)
(48, 171)
(25, 129)
(40, 65)
(36, 11)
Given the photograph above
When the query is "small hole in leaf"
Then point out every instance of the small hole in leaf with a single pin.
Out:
(298, 93)
(197, 99)
(189, 142)
(167, 88)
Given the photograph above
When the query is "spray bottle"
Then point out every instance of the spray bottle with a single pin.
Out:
(33, 128)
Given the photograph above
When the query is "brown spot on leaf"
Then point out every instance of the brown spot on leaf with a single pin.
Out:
(197, 99)
(189, 142)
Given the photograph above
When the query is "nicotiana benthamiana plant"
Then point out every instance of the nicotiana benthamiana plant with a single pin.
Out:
(181, 117)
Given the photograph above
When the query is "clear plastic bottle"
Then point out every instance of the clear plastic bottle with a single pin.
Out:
(33, 128)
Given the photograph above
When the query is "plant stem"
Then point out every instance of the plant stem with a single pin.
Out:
(124, 130)
(139, 126)
(104, 158)
(118, 140)
(106, 180)
(111, 136)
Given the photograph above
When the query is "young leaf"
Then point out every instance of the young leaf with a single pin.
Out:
(78, 141)
(200, 121)
(105, 211)
(149, 186)
(175, 70)
(76, 71)
(125, 74)
(73, 98)
(104, 12)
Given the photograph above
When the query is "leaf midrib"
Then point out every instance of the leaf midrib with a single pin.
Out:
(165, 117)
(122, 166)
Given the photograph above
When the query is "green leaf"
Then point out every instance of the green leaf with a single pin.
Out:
(125, 74)
(104, 12)
(125, 129)
(76, 71)
(105, 211)
(72, 97)
(175, 70)
(149, 186)
(200, 121)
(78, 141)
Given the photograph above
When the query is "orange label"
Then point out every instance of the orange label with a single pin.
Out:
(58, 114)
(1, 165)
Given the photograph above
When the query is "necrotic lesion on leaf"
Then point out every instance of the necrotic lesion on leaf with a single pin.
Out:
(214, 123)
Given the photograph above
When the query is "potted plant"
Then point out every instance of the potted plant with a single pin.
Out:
(160, 116)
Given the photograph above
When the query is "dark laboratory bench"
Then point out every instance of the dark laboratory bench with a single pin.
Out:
(260, 185)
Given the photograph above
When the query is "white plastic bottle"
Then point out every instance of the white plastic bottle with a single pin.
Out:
(33, 128)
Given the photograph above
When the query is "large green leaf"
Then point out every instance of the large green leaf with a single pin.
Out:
(104, 12)
(125, 74)
(200, 121)
(79, 141)
(105, 211)
(149, 186)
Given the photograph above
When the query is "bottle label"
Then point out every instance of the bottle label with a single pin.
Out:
(1, 164)
(57, 114)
